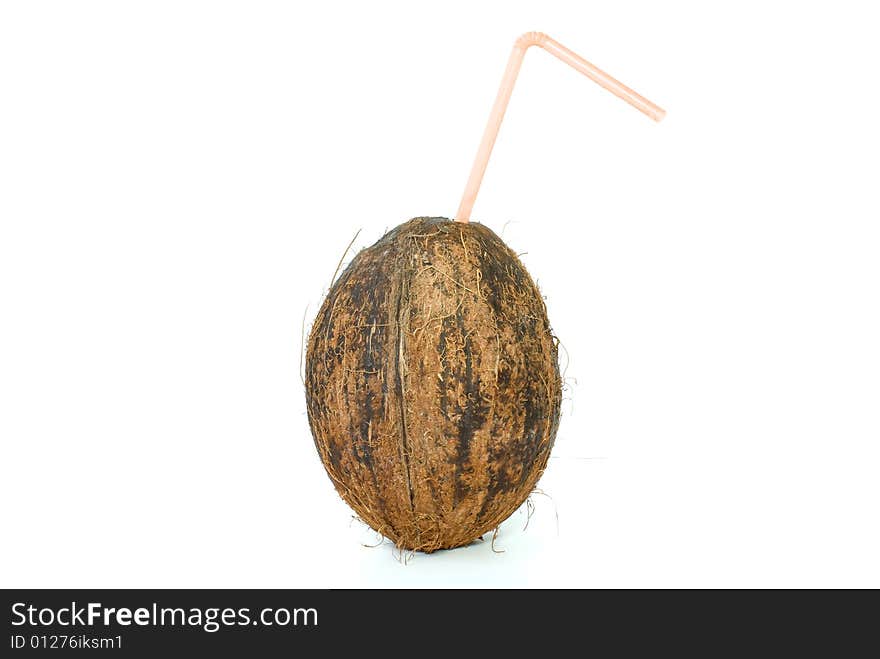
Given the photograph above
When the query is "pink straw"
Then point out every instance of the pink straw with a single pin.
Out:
(504, 92)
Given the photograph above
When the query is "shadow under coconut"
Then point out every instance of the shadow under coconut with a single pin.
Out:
(513, 530)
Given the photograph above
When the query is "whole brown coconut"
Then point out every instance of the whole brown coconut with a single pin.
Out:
(432, 384)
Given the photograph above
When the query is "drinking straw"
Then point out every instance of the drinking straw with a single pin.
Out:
(506, 89)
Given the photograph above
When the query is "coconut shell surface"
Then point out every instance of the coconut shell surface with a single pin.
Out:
(432, 384)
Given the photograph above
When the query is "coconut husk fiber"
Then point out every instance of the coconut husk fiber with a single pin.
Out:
(432, 384)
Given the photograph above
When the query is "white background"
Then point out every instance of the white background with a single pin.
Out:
(179, 179)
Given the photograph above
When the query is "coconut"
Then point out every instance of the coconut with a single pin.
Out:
(432, 384)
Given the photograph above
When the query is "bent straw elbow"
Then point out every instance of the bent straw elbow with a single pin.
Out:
(528, 39)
